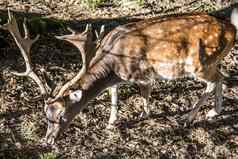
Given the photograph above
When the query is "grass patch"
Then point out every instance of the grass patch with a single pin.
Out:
(48, 155)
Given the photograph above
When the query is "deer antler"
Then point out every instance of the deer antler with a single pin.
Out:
(24, 45)
(75, 38)
(100, 35)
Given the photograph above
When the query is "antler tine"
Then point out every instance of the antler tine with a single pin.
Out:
(27, 37)
(24, 45)
(100, 35)
(88, 28)
(64, 37)
(102, 31)
(10, 20)
(96, 33)
(26, 31)
(71, 30)
(74, 33)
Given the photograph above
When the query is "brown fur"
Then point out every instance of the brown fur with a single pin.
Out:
(139, 52)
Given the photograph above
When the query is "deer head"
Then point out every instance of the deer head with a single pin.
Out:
(54, 107)
(57, 107)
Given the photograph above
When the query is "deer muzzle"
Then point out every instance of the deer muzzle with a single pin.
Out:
(52, 133)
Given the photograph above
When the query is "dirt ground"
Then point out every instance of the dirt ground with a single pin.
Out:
(23, 123)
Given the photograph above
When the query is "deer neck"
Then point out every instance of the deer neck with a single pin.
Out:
(96, 84)
(98, 78)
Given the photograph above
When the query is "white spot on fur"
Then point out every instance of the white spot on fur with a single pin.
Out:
(164, 65)
(180, 61)
(210, 37)
(193, 51)
(75, 96)
(189, 61)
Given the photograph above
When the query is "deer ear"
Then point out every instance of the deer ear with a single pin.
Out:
(75, 96)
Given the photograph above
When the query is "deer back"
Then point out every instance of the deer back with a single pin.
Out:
(169, 48)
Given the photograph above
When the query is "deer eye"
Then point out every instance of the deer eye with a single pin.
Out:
(53, 113)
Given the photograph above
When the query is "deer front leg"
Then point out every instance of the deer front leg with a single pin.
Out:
(145, 93)
(218, 100)
(114, 107)
(191, 115)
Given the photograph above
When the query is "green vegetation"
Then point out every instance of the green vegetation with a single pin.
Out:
(49, 155)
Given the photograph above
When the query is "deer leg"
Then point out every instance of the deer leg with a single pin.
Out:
(192, 114)
(114, 107)
(145, 93)
(218, 100)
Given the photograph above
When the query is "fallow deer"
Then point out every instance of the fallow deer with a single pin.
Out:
(168, 48)
(160, 48)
